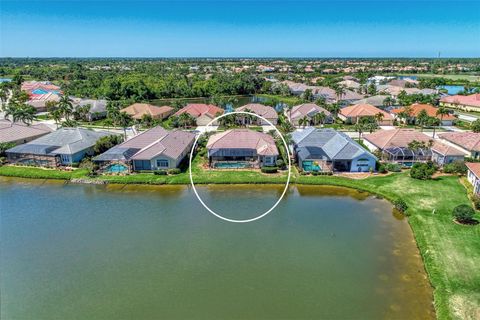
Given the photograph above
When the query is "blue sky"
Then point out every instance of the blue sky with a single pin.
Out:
(391, 28)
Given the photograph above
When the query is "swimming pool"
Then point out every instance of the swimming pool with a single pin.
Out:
(39, 91)
(116, 168)
(231, 165)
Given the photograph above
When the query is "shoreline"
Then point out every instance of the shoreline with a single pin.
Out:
(435, 235)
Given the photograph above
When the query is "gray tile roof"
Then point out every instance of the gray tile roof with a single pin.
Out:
(65, 141)
(15, 131)
(96, 106)
(312, 143)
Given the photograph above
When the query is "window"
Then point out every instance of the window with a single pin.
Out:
(162, 163)
(65, 158)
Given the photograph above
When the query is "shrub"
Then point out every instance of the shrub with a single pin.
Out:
(107, 142)
(476, 201)
(463, 213)
(382, 168)
(269, 169)
(4, 146)
(160, 172)
(393, 167)
(315, 173)
(174, 171)
(400, 205)
(280, 163)
(455, 167)
(422, 171)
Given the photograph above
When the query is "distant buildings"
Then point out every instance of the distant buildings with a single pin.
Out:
(465, 103)
(202, 113)
(329, 150)
(154, 149)
(18, 133)
(139, 110)
(62, 147)
(98, 108)
(40, 92)
(241, 148)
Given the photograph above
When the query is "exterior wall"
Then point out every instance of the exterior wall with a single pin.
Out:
(475, 181)
(460, 106)
(154, 163)
(469, 153)
(440, 159)
(370, 145)
(363, 163)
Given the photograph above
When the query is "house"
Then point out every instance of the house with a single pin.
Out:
(62, 147)
(138, 110)
(443, 154)
(416, 108)
(39, 87)
(329, 150)
(394, 91)
(322, 92)
(241, 148)
(18, 132)
(468, 142)
(153, 149)
(465, 103)
(39, 101)
(353, 114)
(203, 113)
(351, 84)
(473, 176)
(308, 110)
(394, 145)
(98, 108)
(265, 111)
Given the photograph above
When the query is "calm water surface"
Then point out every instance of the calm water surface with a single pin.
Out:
(131, 252)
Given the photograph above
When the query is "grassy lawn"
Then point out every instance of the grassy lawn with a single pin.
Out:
(288, 100)
(451, 252)
(40, 173)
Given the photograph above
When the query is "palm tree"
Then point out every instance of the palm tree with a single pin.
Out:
(442, 111)
(359, 127)
(66, 106)
(422, 118)
(379, 117)
(147, 120)
(304, 121)
(388, 102)
(124, 120)
(340, 91)
(56, 116)
(289, 109)
(319, 118)
(334, 108)
(4, 92)
(24, 112)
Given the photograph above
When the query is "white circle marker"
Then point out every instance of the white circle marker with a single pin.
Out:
(288, 177)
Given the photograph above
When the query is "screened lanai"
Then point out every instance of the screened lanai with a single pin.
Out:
(405, 155)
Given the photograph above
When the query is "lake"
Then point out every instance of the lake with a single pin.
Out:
(153, 252)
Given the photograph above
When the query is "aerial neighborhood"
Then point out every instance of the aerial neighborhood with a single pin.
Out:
(347, 122)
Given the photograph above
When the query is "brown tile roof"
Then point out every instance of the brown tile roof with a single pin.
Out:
(199, 109)
(474, 167)
(138, 110)
(383, 139)
(260, 109)
(446, 150)
(244, 139)
(467, 140)
(15, 131)
(470, 100)
(364, 110)
(431, 111)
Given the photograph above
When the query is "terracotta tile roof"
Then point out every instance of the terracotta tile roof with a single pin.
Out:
(383, 139)
(199, 109)
(446, 150)
(138, 110)
(467, 140)
(470, 100)
(474, 167)
(364, 110)
(431, 111)
(15, 131)
(260, 109)
(244, 139)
